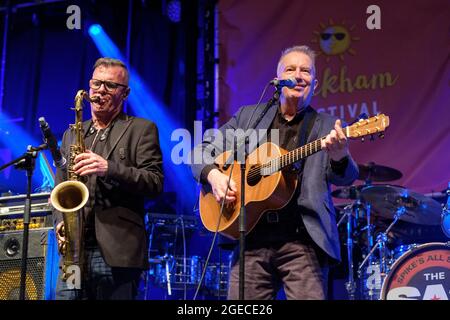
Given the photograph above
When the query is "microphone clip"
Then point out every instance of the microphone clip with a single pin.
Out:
(280, 83)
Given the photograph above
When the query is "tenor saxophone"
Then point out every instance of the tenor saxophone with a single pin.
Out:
(70, 196)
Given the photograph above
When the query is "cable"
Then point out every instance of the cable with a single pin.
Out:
(216, 232)
(220, 274)
(257, 105)
(223, 200)
(184, 257)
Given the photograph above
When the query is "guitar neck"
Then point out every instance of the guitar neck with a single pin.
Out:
(291, 157)
(295, 155)
(360, 129)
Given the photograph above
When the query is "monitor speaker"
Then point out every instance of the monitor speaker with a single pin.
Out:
(42, 264)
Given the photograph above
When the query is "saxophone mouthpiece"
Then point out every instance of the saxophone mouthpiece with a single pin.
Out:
(95, 99)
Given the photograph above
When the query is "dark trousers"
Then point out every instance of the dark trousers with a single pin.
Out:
(102, 282)
(280, 253)
(294, 265)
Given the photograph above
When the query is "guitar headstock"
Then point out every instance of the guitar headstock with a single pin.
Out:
(366, 127)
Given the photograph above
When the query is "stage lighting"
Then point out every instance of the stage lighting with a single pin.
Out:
(174, 10)
(95, 30)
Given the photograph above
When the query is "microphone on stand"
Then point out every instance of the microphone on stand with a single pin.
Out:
(58, 160)
(279, 83)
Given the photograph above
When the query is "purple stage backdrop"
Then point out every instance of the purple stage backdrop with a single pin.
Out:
(401, 70)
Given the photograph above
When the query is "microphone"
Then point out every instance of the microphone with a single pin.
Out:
(279, 83)
(58, 160)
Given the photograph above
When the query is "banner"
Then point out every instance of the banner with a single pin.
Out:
(388, 57)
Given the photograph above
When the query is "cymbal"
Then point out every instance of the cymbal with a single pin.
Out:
(351, 192)
(375, 172)
(385, 200)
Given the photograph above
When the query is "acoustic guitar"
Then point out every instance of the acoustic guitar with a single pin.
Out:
(269, 183)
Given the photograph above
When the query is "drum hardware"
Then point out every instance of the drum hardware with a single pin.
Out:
(381, 246)
(372, 172)
(216, 279)
(351, 192)
(147, 274)
(177, 271)
(190, 222)
(402, 249)
(384, 206)
(445, 216)
(354, 213)
(361, 209)
(385, 199)
(350, 285)
(168, 279)
(171, 269)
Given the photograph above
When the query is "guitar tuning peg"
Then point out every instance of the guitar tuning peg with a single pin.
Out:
(362, 139)
(381, 135)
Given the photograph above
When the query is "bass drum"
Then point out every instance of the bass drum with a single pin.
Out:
(421, 273)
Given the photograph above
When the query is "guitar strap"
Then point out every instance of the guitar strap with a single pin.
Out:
(306, 127)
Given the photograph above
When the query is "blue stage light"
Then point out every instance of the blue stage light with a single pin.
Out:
(174, 10)
(16, 140)
(95, 30)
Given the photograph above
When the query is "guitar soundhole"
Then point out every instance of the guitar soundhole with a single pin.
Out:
(254, 175)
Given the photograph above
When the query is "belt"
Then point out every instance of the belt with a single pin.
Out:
(281, 217)
(277, 226)
(272, 217)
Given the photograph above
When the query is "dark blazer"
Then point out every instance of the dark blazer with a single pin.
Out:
(317, 208)
(134, 172)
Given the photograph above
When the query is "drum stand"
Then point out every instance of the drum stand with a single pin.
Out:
(381, 244)
(350, 285)
(147, 272)
(445, 216)
(352, 221)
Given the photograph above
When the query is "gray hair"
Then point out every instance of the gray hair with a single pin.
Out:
(302, 49)
(111, 62)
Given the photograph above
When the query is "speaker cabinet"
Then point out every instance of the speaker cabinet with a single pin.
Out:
(42, 264)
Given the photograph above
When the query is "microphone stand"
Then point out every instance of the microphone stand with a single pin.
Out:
(242, 226)
(242, 212)
(25, 162)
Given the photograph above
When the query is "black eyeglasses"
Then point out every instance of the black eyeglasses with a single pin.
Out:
(337, 36)
(109, 85)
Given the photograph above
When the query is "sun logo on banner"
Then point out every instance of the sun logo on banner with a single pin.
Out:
(335, 39)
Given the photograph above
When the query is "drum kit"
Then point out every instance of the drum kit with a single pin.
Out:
(396, 239)
(179, 273)
(396, 243)
(173, 273)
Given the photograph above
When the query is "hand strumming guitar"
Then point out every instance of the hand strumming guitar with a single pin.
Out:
(219, 182)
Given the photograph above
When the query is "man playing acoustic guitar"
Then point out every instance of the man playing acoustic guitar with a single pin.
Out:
(294, 245)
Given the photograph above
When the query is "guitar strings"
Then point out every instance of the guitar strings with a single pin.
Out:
(284, 160)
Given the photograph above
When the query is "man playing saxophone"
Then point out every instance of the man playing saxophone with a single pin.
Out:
(121, 165)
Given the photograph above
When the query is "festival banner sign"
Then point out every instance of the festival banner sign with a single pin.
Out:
(388, 57)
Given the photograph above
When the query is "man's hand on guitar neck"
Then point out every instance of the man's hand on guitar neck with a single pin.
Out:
(335, 143)
(219, 182)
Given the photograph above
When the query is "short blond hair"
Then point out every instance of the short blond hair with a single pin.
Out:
(302, 49)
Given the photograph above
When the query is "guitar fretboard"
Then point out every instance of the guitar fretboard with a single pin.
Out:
(291, 157)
